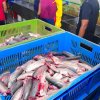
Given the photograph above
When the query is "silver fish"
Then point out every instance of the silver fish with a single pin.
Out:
(55, 82)
(66, 72)
(38, 57)
(16, 86)
(14, 76)
(43, 85)
(11, 42)
(24, 75)
(4, 74)
(50, 92)
(51, 72)
(35, 65)
(85, 66)
(65, 79)
(57, 76)
(18, 94)
(53, 68)
(3, 88)
(34, 89)
(27, 63)
(39, 72)
(56, 60)
(5, 79)
(72, 78)
(27, 87)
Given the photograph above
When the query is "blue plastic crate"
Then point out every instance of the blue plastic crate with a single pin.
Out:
(5, 97)
(90, 52)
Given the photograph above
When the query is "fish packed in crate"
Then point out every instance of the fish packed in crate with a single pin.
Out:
(42, 76)
(19, 38)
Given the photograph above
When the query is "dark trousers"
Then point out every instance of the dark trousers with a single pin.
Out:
(2, 22)
(50, 21)
(87, 35)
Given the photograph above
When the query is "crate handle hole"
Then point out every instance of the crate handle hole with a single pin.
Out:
(48, 29)
(86, 47)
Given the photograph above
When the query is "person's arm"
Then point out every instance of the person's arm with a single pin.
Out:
(58, 13)
(5, 6)
(39, 9)
(86, 13)
(84, 25)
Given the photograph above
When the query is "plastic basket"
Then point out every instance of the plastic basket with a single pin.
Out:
(34, 26)
(90, 52)
(5, 97)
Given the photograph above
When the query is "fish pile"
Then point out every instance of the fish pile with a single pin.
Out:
(19, 38)
(42, 76)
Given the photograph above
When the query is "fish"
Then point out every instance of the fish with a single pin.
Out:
(57, 53)
(64, 53)
(11, 42)
(67, 72)
(52, 67)
(67, 54)
(25, 37)
(51, 72)
(26, 88)
(4, 74)
(39, 71)
(5, 79)
(43, 88)
(18, 38)
(65, 79)
(42, 76)
(38, 57)
(25, 75)
(80, 71)
(35, 65)
(3, 44)
(73, 58)
(35, 88)
(52, 87)
(57, 76)
(85, 66)
(50, 92)
(72, 79)
(16, 86)
(14, 76)
(70, 65)
(55, 82)
(43, 85)
(42, 98)
(10, 39)
(18, 94)
(56, 60)
(3, 88)
(34, 35)
(27, 63)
